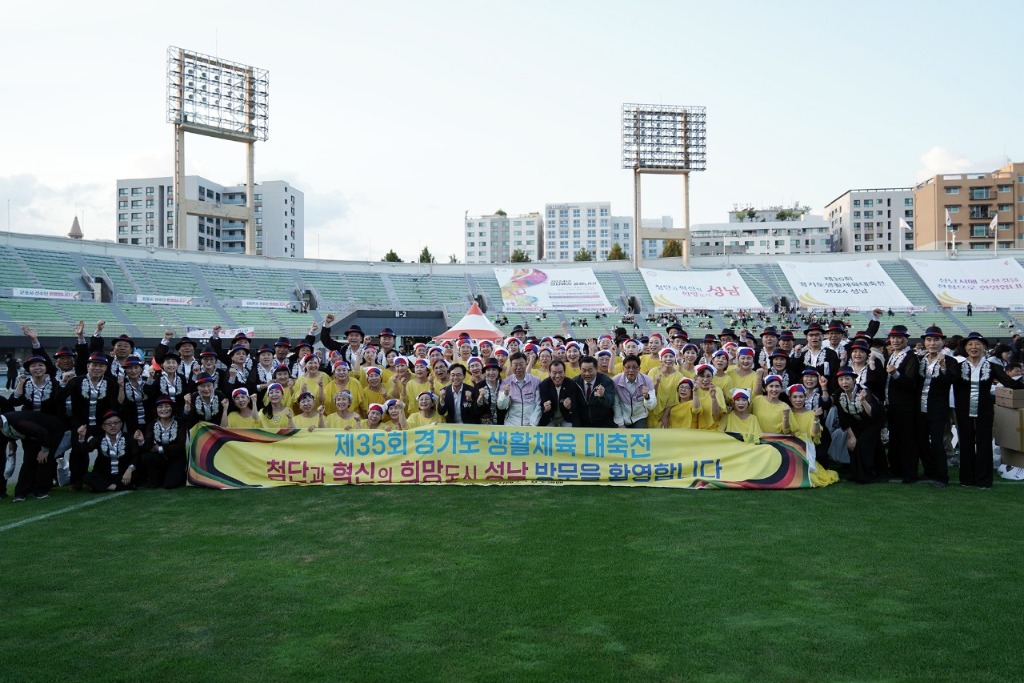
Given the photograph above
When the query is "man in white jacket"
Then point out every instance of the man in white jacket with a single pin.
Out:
(520, 395)
(634, 395)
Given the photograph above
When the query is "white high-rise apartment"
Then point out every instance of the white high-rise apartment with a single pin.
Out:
(494, 238)
(764, 232)
(145, 216)
(584, 225)
(869, 220)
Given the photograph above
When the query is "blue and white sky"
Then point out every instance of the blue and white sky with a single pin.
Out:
(396, 118)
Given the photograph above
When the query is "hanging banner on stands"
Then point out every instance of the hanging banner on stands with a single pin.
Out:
(678, 290)
(228, 333)
(988, 282)
(61, 294)
(850, 284)
(264, 303)
(562, 289)
(474, 454)
(166, 300)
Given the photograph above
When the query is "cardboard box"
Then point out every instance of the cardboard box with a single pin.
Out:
(1009, 398)
(1008, 429)
(1012, 457)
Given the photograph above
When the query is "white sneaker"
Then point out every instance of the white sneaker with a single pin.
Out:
(9, 469)
(1014, 474)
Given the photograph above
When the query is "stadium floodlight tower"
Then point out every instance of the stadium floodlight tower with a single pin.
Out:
(658, 138)
(220, 99)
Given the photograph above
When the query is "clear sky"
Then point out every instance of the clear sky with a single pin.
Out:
(396, 118)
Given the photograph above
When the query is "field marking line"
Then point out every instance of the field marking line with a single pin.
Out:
(13, 525)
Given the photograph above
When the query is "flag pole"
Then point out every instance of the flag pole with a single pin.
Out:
(995, 232)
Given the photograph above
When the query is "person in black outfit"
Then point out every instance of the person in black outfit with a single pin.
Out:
(972, 396)
(598, 391)
(561, 399)
(458, 399)
(114, 468)
(901, 394)
(861, 417)
(933, 407)
(40, 434)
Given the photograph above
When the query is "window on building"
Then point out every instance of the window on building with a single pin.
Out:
(136, 191)
(591, 212)
(869, 202)
(576, 223)
(953, 208)
(122, 192)
(604, 211)
(952, 190)
(136, 203)
(1005, 188)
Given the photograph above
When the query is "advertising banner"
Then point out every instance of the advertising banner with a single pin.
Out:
(852, 284)
(45, 294)
(167, 300)
(562, 289)
(675, 290)
(262, 303)
(988, 282)
(473, 454)
(227, 333)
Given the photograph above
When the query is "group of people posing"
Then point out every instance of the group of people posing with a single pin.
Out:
(121, 421)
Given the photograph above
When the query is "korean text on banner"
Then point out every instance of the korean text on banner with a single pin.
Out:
(987, 282)
(673, 290)
(853, 284)
(473, 454)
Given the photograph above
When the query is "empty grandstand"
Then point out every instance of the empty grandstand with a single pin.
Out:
(49, 283)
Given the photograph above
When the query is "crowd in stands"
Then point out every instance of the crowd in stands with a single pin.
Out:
(107, 416)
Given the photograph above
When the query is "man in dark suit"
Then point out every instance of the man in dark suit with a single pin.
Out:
(458, 399)
(561, 399)
(598, 396)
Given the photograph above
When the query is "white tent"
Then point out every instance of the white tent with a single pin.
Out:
(476, 325)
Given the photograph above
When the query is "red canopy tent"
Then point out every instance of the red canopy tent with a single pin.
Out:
(474, 323)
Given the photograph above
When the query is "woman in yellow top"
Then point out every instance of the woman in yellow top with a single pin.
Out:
(406, 387)
(375, 417)
(685, 413)
(666, 383)
(240, 413)
(476, 371)
(573, 353)
(276, 415)
(688, 360)
(740, 421)
(426, 415)
(769, 408)
(311, 416)
(742, 375)
(311, 380)
(605, 362)
(543, 361)
(394, 415)
(805, 426)
(722, 380)
(341, 380)
(343, 418)
(708, 395)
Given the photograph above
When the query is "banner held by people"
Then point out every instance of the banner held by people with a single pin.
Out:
(473, 454)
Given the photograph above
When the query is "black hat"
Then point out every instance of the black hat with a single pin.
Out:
(387, 332)
(125, 338)
(770, 332)
(933, 331)
(183, 341)
(283, 341)
(518, 328)
(727, 332)
(977, 336)
(899, 331)
(354, 328)
(814, 327)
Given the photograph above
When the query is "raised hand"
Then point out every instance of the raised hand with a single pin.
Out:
(80, 328)
(100, 325)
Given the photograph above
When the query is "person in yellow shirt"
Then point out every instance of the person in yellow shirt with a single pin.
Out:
(342, 380)
(605, 362)
(708, 395)
(685, 413)
(666, 382)
(375, 391)
(420, 382)
(688, 360)
(375, 417)
(276, 414)
(805, 426)
(240, 413)
(573, 353)
(343, 418)
(311, 416)
(652, 358)
(427, 415)
(772, 413)
(743, 375)
(544, 356)
(394, 414)
(740, 421)
(311, 380)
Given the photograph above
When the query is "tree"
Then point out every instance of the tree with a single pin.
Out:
(391, 257)
(671, 248)
(751, 214)
(583, 255)
(426, 256)
(452, 258)
(617, 254)
(500, 212)
(519, 256)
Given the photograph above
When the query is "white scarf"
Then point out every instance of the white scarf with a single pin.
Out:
(114, 451)
(36, 394)
(135, 395)
(93, 393)
(241, 373)
(207, 409)
(853, 406)
(169, 387)
(266, 375)
(165, 435)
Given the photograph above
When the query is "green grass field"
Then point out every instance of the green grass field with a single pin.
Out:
(393, 583)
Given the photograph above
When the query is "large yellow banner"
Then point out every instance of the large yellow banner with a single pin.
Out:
(474, 454)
